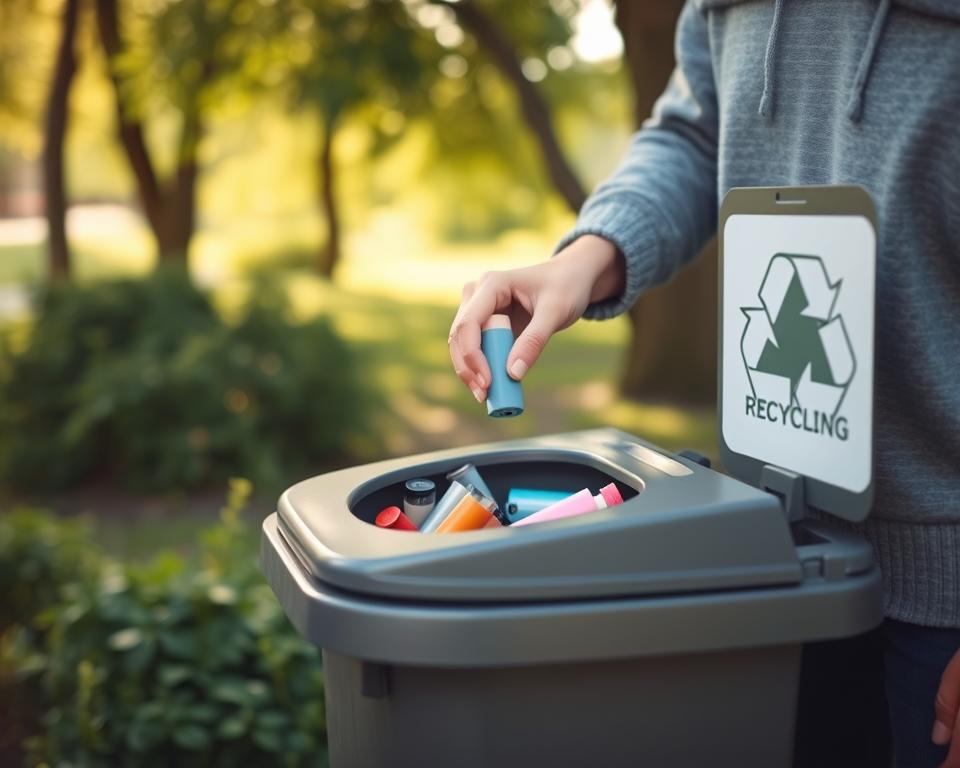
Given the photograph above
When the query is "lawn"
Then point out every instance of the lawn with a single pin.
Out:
(393, 301)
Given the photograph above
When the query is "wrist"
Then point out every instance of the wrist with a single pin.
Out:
(604, 264)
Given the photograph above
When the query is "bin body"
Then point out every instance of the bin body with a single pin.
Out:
(729, 708)
(663, 632)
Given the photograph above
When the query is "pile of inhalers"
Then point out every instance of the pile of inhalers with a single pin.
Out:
(468, 505)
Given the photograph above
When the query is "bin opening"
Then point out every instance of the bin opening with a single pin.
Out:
(672, 534)
(500, 477)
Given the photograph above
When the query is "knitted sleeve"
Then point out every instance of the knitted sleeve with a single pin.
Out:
(660, 205)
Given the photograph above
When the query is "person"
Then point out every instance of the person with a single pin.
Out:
(799, 93)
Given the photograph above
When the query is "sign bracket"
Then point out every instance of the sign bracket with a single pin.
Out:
(788, 486)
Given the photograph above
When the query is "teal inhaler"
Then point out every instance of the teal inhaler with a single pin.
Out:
(505, 395)
(523, 502)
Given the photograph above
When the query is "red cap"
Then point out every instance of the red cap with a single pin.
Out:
(393, 517)
(611, 495)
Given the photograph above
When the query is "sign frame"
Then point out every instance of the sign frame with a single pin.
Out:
(833, 201)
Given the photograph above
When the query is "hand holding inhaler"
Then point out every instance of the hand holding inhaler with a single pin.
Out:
(539, 301)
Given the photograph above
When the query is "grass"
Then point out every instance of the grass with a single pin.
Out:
(404, 345)
(394, 300)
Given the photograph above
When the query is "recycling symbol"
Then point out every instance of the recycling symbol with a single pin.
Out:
(795, 346)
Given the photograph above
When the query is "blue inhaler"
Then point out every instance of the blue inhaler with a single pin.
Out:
(505, 396)
(523, 502)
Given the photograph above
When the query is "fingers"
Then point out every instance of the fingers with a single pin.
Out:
(463, 371)
(479, 302)
(953, 756)
(546, 320)
(497, 292)
(948, 698)
(947, 708)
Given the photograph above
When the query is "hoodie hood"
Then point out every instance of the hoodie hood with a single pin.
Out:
(944, 9)
(948, 10)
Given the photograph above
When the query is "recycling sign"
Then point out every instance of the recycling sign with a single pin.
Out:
(798, 304)
(795, 348)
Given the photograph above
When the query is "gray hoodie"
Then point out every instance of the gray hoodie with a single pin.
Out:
(827, 92)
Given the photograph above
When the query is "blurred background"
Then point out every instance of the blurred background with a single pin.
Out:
(233, 235)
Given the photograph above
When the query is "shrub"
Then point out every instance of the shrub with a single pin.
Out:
(39, 554)
(144, 380)
(175, 663)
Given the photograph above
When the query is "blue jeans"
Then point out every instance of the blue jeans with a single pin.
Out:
(867, 699)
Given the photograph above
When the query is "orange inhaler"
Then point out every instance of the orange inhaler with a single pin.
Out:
(472, 512)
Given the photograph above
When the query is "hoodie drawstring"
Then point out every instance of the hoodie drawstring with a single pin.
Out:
(855, 102)
(854, 107)
(766, 100)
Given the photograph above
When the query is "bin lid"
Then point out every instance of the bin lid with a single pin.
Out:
(796, 343)
(682, 528)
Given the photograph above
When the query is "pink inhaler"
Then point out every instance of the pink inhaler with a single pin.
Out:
(579, 503)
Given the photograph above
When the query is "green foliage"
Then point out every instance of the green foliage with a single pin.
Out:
(171, 664)
(389, 64)
(38, 555)
(27, 35)
(338, 55)
(144, 380)
(193, 54)
(484, 154)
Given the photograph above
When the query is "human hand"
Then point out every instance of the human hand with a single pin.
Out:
(540, 300)
(946, 728)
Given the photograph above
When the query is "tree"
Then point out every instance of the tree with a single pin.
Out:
(357, 54)
(672, 352)
(26, 39)
(362, 52)
(180, 57)
(673, 346)
(536, 112)
(55, 129)
(496, 160)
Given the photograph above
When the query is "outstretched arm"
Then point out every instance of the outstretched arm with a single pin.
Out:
(660, 206)
(637, 229)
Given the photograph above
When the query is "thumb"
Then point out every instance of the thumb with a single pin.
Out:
(532, 341)
(948, 702)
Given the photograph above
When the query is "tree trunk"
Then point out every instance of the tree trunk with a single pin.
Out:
(55, 131)
(533, 106)
(170, 209)
(129, 129)
(179, 213)
(330, 253)
(673, 347)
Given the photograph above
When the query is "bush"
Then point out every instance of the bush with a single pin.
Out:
(174, 664)
(38, 555)
(144, 380)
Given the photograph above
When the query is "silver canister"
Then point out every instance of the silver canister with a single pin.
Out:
(419, 498)
(444, 507)
(468, 475)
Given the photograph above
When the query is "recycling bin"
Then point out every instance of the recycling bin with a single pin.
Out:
(664, 631)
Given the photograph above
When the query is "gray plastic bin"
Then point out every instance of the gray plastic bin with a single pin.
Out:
(664, 632)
